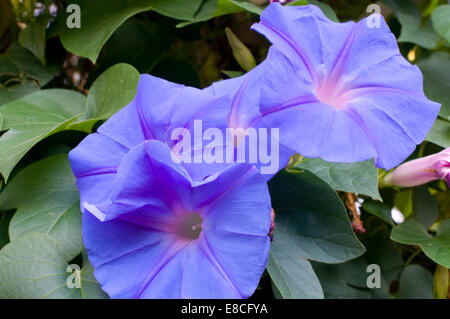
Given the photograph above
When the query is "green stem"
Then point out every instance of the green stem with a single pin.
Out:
(411, 258)
(422, 149)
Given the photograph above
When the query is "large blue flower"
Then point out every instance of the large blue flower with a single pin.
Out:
(339, 91)
(176, 238)
(156, 228)
(158, 109)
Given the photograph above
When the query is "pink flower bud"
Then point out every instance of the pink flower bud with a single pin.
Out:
(443, 169)
(421, 171)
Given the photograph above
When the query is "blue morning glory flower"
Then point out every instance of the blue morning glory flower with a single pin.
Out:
(339, 91)
(158, 109)
(157, 228)
(167, 236)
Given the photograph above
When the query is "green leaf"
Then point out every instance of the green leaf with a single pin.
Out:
(21, 62)
(178, 9)
(436, 80)
(233, 74)
(441, 20)
(241, 53)
(344, 281)
(99, 19)
(311, 216)
(311, 224)
(13, 92)
(382, 251)
(413, 29)
(292, 274)
(47, 201)
(440, 133)
(425, 207)
(379, 209)
(206, 11)
(35, 266)
(360, 177)
(249, 6)
(32, 118)
(233, 6)
(33, 38)
(403, 201)
(134, 32)
(40, 114)
(415, 283)
(349, 280)
(111, 91)
(226, 7)
(436, 248)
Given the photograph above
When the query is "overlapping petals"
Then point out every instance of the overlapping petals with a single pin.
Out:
(158, 228)
(339, 91)
(158, 109)
(151, 232)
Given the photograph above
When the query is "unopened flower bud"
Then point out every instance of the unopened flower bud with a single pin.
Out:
(421, 171)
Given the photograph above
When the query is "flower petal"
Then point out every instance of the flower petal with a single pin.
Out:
(94, 163)
(237, 201)
(239, 258)
(203, 278)
(305, 36)
(244, 97)
(160, 108)
(115, 246)
(381, 132)
(125, 126)
(343, 82)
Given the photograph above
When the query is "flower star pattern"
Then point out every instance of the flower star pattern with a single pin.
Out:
(175, 238)
(339, 91)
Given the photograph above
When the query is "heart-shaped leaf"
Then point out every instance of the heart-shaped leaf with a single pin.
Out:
(441, 20)
(46, 200)
(32, 118)
(359, 177)
(436, 248)
(35, 266)
(311, 224)
(415, 283)
(99, 19)
(38, 115)
(436, 80)
(413, 30)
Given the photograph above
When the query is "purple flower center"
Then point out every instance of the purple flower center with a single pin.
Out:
(329, 93)
(189, 226)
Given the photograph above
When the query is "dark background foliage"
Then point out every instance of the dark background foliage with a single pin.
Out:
(333, 220)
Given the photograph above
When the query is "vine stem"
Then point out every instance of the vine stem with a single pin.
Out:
(411, 258)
